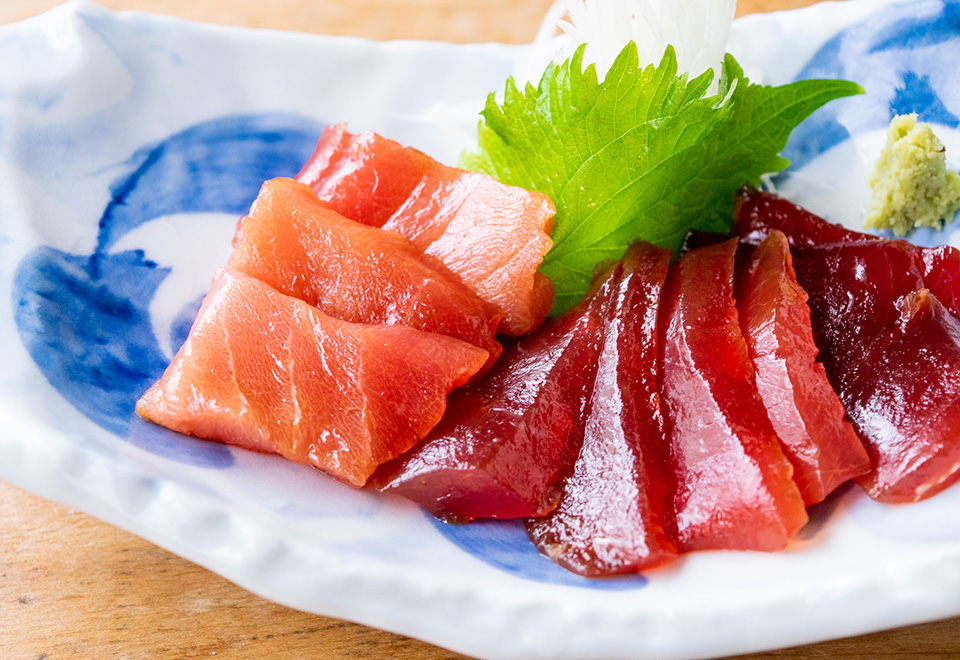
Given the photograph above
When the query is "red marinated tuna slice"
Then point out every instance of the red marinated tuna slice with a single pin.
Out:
(492, 236)
(853, 289)
(616, 514)
(862, 290)
(734, 485)
(299, 246)
(757, 213)
(889, 347)
(364, 176)
(804, 409)
(265, 371)
(511, 436)
(903, 393)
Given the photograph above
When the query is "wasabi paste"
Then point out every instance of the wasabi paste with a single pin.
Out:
(911, 184)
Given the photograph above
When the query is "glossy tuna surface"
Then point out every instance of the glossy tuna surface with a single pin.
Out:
(616, 514)
(510, 437)
(300, 246)
(862, 296)
(734, 484)
(804, 409)
(265, 371)
(884, 314)
(904, 395)
(757, 212)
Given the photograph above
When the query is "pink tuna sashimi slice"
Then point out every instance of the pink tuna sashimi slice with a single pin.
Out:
(511, 436)
(734, 485)
(301, 247)
(265, 371)
(364, 176)
(615, 514)
(804, 409)
(492, 236)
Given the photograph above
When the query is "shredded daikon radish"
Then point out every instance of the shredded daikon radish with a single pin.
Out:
(698, 30)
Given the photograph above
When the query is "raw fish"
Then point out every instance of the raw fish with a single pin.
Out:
(511, 436)
(301, 247)
(867, 299)
(734, 485)
(616, 514)
(492, 236)
(265, 371)
(903, 394)
(364, 177)
(885, 317)
(758, 212)
(804, 409)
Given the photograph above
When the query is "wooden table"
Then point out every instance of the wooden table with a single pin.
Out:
(72, 587)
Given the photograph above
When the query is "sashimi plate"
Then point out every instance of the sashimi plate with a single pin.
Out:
(130, 144)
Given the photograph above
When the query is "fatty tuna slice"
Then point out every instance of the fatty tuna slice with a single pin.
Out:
(615, 514)
(267, 372)
(301, 247)
(364, 177)
(492, 236)
(804, 409)
(510, 437)
(734, 485)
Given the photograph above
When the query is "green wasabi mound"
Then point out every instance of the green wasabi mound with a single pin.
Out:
(910, 181)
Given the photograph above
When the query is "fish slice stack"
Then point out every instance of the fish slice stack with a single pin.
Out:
(694, 405)
(334, 341)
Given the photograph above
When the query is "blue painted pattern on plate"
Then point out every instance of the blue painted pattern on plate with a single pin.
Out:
(85, 319)
(504, 544)
(897, 55)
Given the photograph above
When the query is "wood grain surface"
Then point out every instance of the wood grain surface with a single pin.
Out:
(72, 587)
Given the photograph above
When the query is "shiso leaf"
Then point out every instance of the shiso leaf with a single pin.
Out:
(646, 153)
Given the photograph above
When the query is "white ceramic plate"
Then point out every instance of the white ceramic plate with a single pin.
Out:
(128, 146)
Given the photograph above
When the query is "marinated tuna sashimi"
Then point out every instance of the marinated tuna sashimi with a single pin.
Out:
(615, 514)
(492, 236)
(861, 296)
(511, 436)
(802, 406)
(757, 213)
(265, 371)
(853, 289)
(734, 484)
(903, 394)
(884, 313)
(301, 247)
